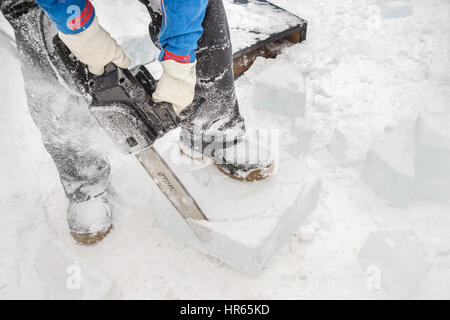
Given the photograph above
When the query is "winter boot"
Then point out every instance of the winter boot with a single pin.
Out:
(91, 220)
(244, 158)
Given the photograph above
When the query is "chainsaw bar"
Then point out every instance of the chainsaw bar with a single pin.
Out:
(169, 184)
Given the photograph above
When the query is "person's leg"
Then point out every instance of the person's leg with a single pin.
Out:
(63, 120)
(155, 11)
(215, 108)
(212, 125)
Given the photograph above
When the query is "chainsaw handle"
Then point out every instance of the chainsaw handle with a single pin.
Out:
(110, 67)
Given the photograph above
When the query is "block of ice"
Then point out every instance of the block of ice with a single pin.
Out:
(141, 50)
(337, 146)
(280, 89)
(389, 167)
(298, 141)
(64, 276)
(247, 222)
(399, 257)
(433, 156)
(392, 9)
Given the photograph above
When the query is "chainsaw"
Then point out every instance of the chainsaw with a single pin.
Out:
(120, 100)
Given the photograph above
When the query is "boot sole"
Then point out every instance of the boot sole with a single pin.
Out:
(199, 159)
(256, 175)
(88, 238)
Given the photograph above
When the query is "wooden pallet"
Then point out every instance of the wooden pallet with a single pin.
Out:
(290, 29)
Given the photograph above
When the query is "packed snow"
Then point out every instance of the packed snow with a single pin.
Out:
(399, 257)
(363, 73)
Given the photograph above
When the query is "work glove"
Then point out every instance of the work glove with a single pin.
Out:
(177, 84)
(96, 48)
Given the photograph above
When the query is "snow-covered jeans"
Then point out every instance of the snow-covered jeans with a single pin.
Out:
(214, 115)
(67, 128)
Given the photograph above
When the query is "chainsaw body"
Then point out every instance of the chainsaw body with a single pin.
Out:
(120, 100)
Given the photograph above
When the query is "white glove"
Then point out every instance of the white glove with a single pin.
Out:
(177, 84)
(96, 48)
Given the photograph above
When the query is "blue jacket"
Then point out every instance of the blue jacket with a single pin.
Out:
(180, 32)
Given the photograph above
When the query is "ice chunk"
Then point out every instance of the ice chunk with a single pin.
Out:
(298, 142)
(280, 89)
(395, 8)
(64, 276)
(337, 147)
(433, 156)
(247, 222)
(389, 167)
(399, 257)
(141, 50)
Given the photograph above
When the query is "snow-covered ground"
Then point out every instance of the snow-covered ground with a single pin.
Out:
(362, 74)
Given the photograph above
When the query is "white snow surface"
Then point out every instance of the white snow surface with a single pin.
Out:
(362, 74)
